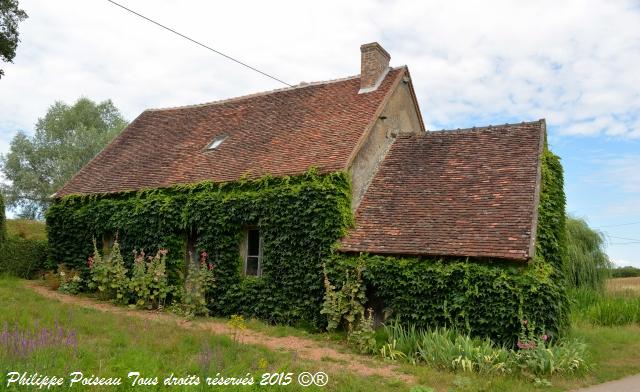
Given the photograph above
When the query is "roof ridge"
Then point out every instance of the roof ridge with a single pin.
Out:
(471, 129)
(488, 127)
(262, 93)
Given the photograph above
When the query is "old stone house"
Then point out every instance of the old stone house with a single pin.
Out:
(471, 194)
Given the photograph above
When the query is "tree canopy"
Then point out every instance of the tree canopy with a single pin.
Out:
(10, 16)
(587, 264)
(65, 139)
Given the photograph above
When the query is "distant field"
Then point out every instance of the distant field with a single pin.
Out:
(624, 285)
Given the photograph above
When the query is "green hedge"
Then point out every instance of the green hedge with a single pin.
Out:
(22, 257)
(300, 219)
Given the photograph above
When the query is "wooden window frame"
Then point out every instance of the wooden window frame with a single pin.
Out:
(244, 250)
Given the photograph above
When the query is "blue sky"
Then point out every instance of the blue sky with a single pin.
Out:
(573, 62)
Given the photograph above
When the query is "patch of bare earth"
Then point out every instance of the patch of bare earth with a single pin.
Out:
(304, 348)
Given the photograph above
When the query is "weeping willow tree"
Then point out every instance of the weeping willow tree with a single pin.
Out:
(587, 265)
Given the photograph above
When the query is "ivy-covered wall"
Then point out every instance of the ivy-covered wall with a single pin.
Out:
(300, 219)
(483, 297)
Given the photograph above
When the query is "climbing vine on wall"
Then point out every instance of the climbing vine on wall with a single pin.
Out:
(482, 297)
(300, 218)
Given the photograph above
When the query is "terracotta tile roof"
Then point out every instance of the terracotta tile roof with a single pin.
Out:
(282, 132)
(454, 193)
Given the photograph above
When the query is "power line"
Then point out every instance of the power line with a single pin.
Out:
(624, 238)
(200, 43)
(621, 224)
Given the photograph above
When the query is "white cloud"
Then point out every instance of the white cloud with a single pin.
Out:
(573, 62)
(624, 263)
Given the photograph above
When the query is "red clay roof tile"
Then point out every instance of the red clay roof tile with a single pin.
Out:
(454, 193)
(283, 132)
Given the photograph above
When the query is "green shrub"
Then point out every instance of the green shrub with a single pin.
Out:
(22, 257)
(23, 246)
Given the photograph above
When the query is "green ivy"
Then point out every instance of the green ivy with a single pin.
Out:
(300, 219)
(484, 298)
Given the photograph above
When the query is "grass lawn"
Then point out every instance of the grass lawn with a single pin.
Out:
(111, 345)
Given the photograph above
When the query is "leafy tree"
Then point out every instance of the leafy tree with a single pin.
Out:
(66, 138)
(10, 16)
(3, 227)
(587, 264)
(625, 272)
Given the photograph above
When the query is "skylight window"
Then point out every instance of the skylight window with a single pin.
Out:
(217, 142)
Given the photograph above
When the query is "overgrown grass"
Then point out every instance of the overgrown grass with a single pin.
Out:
(27, 229)
(613, 307)
(111, 345)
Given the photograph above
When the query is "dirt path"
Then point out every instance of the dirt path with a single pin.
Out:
(627, 384)
(305, 348)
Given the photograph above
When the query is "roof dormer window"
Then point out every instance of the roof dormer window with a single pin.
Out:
(217, 142)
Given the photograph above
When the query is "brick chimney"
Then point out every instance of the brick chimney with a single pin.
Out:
(374, 65)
